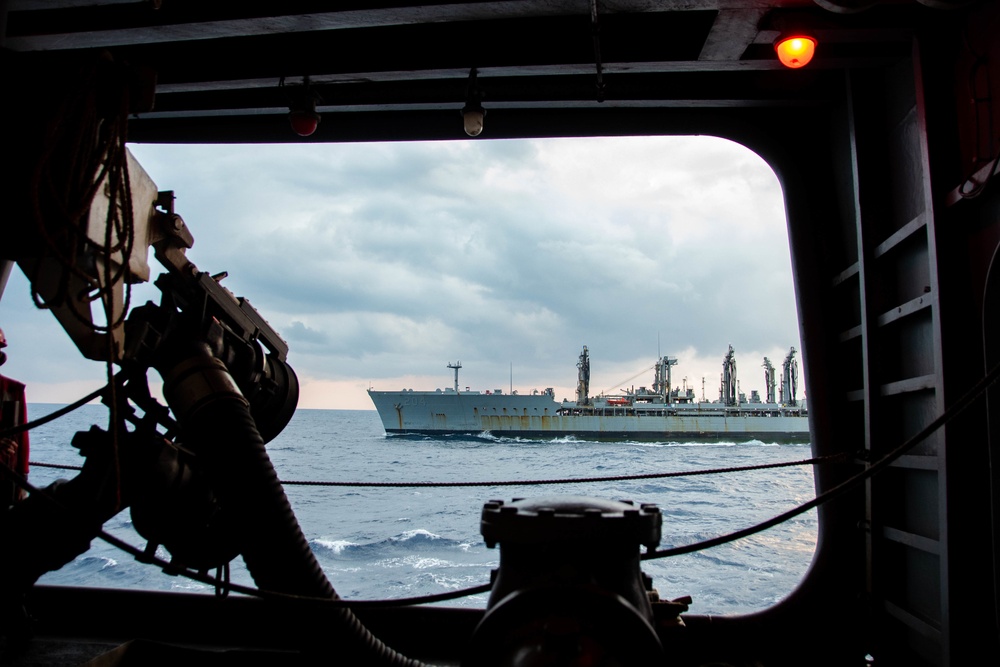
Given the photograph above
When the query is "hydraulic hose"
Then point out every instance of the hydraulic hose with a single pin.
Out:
(217, 425)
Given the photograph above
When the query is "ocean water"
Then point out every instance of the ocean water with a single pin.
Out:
(378, 543)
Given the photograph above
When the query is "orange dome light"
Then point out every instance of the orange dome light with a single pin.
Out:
(795, 50)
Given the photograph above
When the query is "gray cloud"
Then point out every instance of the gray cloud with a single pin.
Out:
(379, 261)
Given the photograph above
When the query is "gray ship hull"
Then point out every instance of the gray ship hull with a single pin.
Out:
(540, 416)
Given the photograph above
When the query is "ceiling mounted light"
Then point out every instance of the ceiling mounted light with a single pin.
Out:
(795, 49)
(473, 111)
(302, 115)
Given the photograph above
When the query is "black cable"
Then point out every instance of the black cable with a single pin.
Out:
(56, 466)
(228, 586)
(977, 391)
(66, 409)
(832, 458)
(579, 480)
(148, 557)
(173, 569)
(53, 415)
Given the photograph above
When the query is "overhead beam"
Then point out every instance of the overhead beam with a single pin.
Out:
(732, 32)
(41, 26)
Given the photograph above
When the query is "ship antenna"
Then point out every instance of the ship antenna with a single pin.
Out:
(456, 366)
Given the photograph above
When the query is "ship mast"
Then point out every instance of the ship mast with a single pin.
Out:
(583, 378)
(789, 379)
(662, 383)
(728, 389)
(456, 366)
(769, 380)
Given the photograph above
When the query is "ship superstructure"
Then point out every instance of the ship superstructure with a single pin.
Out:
(662, 412)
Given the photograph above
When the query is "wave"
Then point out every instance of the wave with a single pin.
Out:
(419, 535)
(494, 438)
(406, 542)
(94, 564)
(515, 439)
(489, 436)
(335, 547)
(416, 562)
(388, 542)
(440, 437)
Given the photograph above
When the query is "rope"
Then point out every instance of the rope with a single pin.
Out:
(228, 586)
(60, 202)
(849, 484)
(626, 381)
(56, 466)
(832, 458)
(221, 582)
(41, 421)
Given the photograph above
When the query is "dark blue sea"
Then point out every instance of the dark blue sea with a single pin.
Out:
(377, 543)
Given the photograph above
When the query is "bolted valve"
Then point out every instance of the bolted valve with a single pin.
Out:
(569, 589)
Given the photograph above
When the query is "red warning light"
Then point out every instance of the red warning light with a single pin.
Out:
(303, 121)
(795, 50)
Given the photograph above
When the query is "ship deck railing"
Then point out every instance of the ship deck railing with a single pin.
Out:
(681, 410)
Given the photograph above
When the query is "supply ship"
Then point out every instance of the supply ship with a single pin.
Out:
(660, 413)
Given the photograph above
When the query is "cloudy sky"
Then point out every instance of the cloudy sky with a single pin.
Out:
(382, 263)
